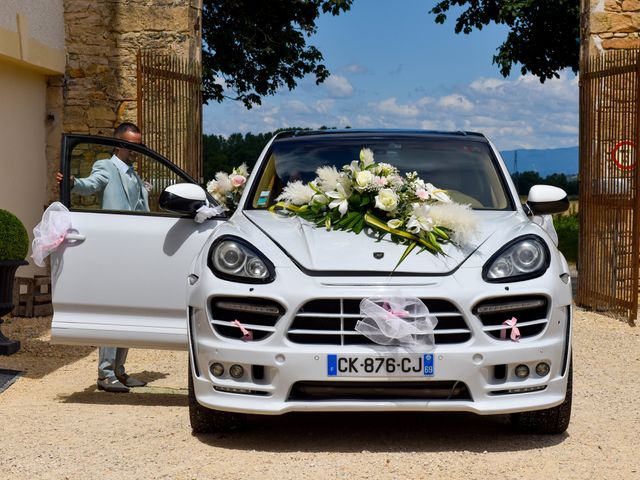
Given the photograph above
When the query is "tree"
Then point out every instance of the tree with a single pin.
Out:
(544, 36)
(254, 47)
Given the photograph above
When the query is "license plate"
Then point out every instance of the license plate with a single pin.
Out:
(380, 366)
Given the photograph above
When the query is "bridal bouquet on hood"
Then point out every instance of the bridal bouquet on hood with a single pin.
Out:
(366, 193)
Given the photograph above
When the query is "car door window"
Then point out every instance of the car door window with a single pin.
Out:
(103, 182)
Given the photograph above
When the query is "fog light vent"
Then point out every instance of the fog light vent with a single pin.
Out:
(217, 369)
(522, 371)
(236, 371)
(542, 369)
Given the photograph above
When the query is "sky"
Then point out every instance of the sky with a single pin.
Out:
(392, 66)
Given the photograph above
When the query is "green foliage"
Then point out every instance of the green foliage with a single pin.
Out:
(544, 35)
(525, 180)
(258, 47)
(220, 153)
(567, 227)
(223, 154)
(14, 240)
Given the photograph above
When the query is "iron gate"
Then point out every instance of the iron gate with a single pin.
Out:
(609, 201)
(170, 114)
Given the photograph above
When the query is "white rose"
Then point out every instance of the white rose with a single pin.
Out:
(364, 178)
(387, 200)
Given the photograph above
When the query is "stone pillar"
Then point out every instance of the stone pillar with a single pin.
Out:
(98, 89)
(610, 25)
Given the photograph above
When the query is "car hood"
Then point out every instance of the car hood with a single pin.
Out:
(338, 252)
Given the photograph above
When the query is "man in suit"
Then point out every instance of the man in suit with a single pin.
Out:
(119, 188)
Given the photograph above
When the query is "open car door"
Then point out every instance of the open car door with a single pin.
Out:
(120, 279)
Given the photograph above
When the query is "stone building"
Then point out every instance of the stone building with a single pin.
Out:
(610, 25)
(69, 66)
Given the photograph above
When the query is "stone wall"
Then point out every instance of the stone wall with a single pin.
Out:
(611, 25)
(102, 37)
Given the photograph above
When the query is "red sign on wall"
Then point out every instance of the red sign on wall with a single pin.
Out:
(624, 155)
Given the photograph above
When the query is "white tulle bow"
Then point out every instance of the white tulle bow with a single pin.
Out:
(396, 321)
(207, 211)
(50, 232)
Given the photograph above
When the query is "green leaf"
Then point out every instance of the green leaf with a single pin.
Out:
(440, 233)
(407, 251)
(356, 218)
(359, 225)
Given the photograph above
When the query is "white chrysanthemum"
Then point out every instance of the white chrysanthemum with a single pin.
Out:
(328, 178)
(223, 182)
(366, 157)
(457, 217)
(297, 193)
(386, 169)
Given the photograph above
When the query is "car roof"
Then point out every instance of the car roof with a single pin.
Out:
(380, 133)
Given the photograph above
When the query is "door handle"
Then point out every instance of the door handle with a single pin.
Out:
(75, 237)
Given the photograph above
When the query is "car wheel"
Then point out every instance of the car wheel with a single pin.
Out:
(206, 420)
(550, 421)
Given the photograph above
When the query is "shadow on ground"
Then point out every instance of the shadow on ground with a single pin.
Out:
(37, 357)
(145, 396)
(380, 432)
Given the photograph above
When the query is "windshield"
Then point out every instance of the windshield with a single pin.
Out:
(465, 168)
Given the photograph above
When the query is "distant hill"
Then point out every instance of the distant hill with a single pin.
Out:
(545, 162)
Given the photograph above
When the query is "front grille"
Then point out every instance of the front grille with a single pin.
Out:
(333, 390)
(332, 321)
(530, 311)
(259, 315)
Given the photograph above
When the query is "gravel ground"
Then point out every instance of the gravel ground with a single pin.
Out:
(56, 424)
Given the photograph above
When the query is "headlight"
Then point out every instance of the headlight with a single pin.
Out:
(234, 259)
(522, 259)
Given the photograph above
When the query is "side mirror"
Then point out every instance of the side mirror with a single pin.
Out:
(183, 198)
(547, 200)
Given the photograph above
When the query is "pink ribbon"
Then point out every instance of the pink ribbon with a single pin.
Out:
(397, 313)
(515, 331)
(247, 335)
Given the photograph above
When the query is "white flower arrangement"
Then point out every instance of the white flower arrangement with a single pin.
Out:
(227, 188)
(366, 193)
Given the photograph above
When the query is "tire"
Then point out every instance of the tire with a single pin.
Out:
(551, 421)
(206, 420)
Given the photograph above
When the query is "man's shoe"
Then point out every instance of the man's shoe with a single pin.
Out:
(130, 381)
(112, 384)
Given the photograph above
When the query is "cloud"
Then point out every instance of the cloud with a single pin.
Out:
(338, 86)
(514, 113)
(456, 101)
(390, 106)
(296, 106)
(325, 105)
(354, 68)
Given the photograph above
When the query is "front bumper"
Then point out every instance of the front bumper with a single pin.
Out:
(275, 365)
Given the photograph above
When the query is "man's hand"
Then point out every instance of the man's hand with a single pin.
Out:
(60, 177)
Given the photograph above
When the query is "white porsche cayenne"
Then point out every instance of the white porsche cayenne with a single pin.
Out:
(161, 280)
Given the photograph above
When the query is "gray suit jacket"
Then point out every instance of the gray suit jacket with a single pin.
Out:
(108, 181)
